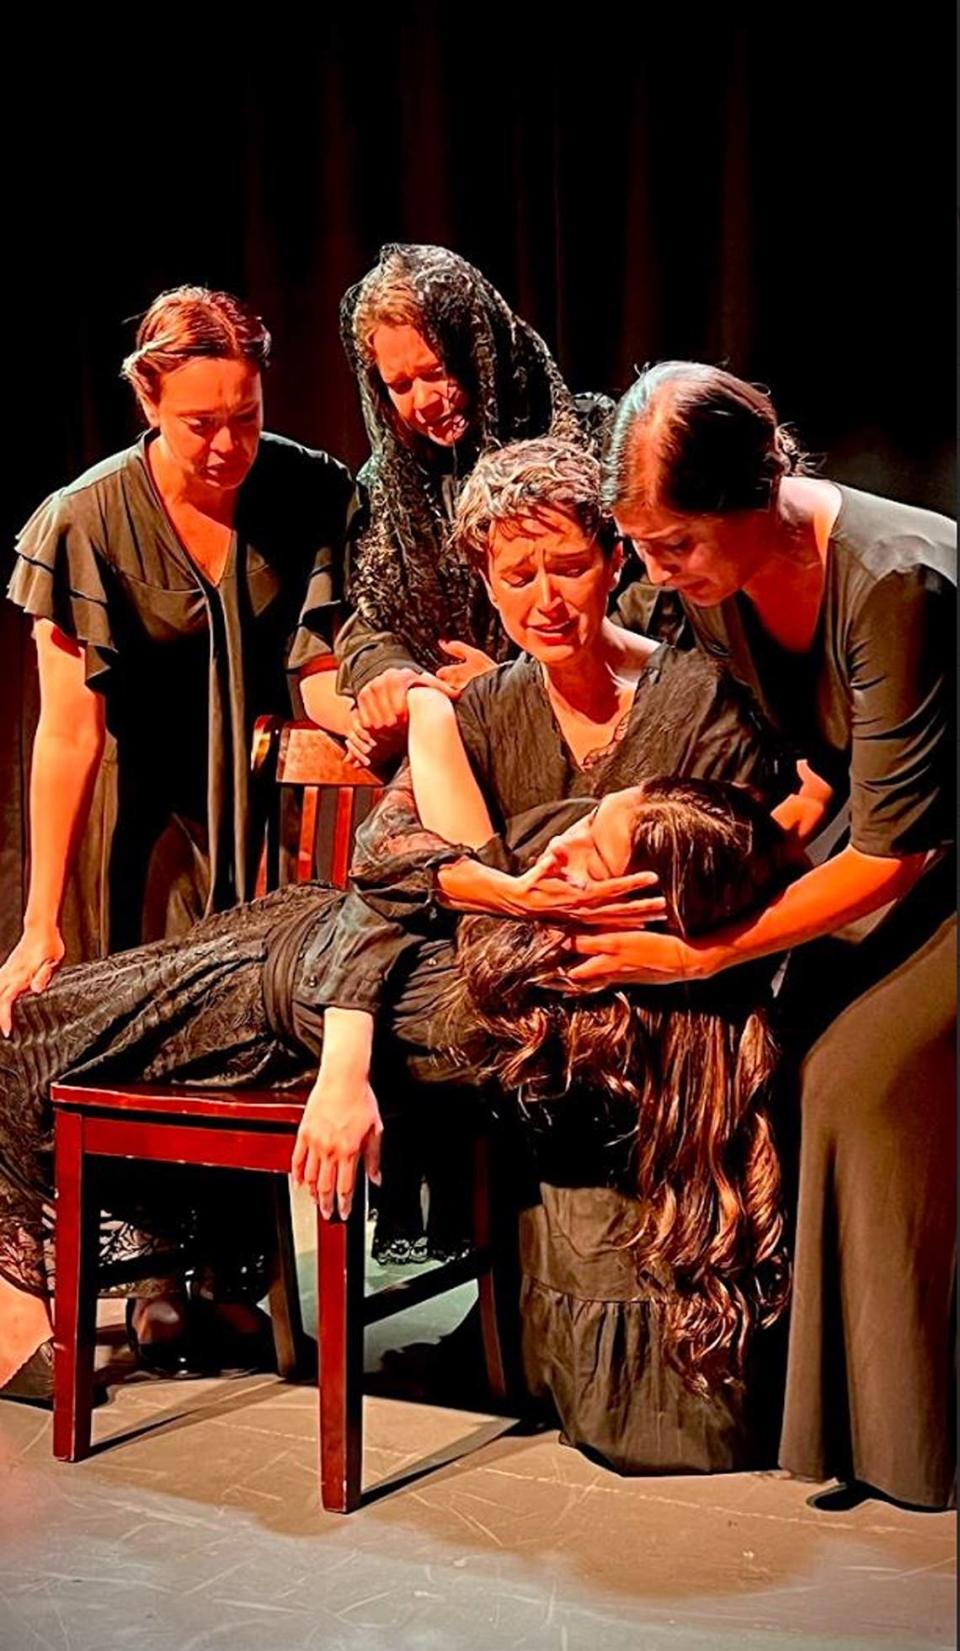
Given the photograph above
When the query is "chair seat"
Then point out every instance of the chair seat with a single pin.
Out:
(250, 1129)
(281, 1107)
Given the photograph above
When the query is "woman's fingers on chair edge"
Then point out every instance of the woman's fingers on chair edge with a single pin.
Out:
(346, 1182)
(326, 1184)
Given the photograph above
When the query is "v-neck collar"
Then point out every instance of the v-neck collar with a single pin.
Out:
(593, 757)
(754, 630)
(172, 539)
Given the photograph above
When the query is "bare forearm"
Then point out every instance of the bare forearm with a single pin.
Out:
(469, 886)
(323, 704)
(347, 1043)
(61, 783)
(819, 903)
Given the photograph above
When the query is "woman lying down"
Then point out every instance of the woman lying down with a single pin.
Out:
(656, 1253)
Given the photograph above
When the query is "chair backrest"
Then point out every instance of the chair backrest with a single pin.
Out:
(298, 760)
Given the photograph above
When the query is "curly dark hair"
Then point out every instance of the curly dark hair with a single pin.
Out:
(405, 576)
(693, 1065)
(522, 480)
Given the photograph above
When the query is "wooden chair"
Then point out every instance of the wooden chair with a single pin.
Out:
(250, 1129)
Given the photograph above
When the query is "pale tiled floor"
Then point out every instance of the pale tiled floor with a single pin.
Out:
(201, 1528)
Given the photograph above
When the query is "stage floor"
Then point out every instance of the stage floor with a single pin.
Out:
(202, 1529)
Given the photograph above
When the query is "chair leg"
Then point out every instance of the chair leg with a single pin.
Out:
(486, 1288)
(284, 1297)
(75, 1295)
(340, 1291)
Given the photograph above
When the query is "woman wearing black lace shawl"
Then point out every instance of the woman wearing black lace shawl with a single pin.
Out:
(446, 372)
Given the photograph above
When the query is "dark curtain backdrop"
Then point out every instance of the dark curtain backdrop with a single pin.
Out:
(638, 186)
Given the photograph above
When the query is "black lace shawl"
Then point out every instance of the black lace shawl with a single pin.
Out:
(404, 577)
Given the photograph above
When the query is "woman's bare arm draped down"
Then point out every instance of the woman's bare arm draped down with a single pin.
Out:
(66, 756)
(341, 1120)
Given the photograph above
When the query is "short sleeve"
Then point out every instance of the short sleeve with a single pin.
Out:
(62, 574)
(473, 729)
(365, 653)
(323, 602)
(349, 962)
(901, 652)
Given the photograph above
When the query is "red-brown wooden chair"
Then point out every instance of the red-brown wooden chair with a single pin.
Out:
(251, 1129)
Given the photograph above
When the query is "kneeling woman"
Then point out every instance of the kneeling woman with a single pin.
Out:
(655, 1248)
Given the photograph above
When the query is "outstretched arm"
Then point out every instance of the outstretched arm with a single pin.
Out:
(819, 903)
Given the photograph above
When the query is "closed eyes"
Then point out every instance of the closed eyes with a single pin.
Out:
(403, 386)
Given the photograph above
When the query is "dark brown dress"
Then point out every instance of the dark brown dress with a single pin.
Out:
(871, 1012)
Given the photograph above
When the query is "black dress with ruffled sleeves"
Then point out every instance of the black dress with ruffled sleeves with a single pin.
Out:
(185, 667)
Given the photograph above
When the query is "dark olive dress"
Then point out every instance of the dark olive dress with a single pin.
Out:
(871, 1011)
(185, 667)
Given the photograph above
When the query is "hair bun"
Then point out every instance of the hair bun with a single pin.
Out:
(788, 450)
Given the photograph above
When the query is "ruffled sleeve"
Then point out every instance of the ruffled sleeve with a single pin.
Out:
(323, 603)
(62, 574)
(901, 655)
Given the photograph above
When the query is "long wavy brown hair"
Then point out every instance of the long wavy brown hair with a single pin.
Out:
(693, 1063)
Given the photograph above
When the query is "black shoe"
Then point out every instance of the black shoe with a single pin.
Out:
(849, 1494)
(178, 1358)
(399, 1252)
(33, 1382)
(841, 1498)
(224, 1347)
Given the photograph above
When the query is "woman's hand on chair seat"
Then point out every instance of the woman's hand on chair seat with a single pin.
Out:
(340, 1122)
